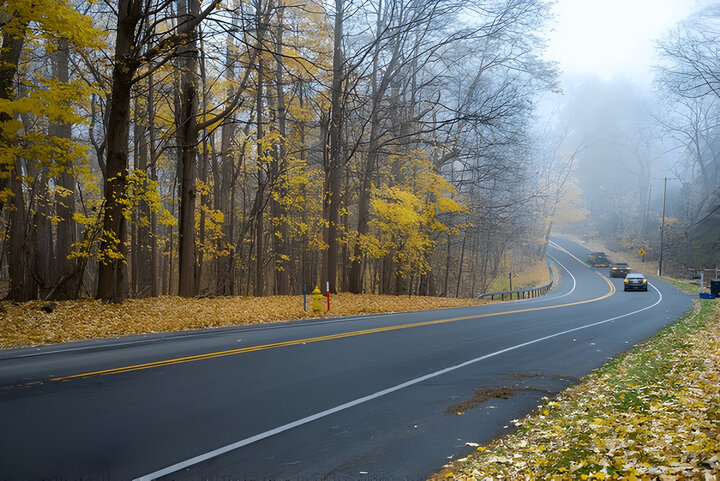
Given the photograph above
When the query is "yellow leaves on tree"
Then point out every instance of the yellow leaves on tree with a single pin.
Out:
(48, 101)
(49, 20)
(406, 214)
(316, 50)
(140, 190)
(299, 191)
(109, 255)
(143, 189)
(43, 25)
(214, 244)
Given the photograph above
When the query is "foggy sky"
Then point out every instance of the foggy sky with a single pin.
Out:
(605, 50)
(611, 38)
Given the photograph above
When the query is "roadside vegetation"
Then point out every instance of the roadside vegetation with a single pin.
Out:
(36, 323)
(683, 285)
(531, 276)
(29, 324)
(246, 148)
(651, 413)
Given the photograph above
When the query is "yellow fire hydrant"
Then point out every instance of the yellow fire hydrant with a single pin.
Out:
(317, 299)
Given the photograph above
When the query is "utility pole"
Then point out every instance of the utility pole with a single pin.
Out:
(662, 229)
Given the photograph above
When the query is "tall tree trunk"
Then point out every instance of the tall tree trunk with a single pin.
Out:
(204, 173)
(143, 255)
(446, 292)
(69, 270)
(10, 53)
(112, 273)
(334, 175)
(305, 274)
(187, 142)
(45, 266)
(152, 268)
(259, 253)
(388, 269)
(460, 269)
(24, 231)
(20, 290)
(223, 184)
(12, 46)
(171, 252)
(280, 239)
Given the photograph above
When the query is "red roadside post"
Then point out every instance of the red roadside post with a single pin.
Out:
(327, 290)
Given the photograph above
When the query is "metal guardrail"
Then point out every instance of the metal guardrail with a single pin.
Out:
(522, 293)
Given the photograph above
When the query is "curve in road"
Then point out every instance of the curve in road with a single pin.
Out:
(354, 397)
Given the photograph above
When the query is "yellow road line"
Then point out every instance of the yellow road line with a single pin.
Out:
(607, 281)
(559, 247)
(231, 352)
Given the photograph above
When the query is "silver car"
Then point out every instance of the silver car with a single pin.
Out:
(636, 282)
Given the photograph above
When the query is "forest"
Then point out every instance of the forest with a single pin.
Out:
(255, 147)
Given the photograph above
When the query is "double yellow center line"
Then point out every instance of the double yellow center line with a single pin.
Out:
(296, 342)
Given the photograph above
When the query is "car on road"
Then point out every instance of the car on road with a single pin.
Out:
(619, 269)
(635, 282)
(598, 259)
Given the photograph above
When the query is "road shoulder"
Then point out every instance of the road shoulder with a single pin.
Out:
(653, 411)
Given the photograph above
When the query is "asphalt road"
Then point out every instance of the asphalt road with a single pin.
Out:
(348, 398)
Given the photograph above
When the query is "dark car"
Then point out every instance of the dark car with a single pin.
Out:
(636, 282)
(619, 269)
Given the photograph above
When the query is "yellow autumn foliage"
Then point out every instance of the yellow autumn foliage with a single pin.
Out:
(25, 324)
(406, 213)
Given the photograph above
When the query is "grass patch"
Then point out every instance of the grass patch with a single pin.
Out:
(651, 413)
(527, 278)
(683, 285)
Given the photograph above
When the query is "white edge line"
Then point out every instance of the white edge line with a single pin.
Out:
(571, 275)
(549, 298)
(286, 427)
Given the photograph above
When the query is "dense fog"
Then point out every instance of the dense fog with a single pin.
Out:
(633, 134)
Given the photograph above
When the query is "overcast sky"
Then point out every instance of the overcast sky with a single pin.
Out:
(611, 38)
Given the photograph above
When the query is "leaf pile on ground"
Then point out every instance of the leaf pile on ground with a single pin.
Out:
(27, 324)
(652, 413)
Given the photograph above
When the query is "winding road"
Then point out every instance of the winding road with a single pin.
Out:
(361, 397)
